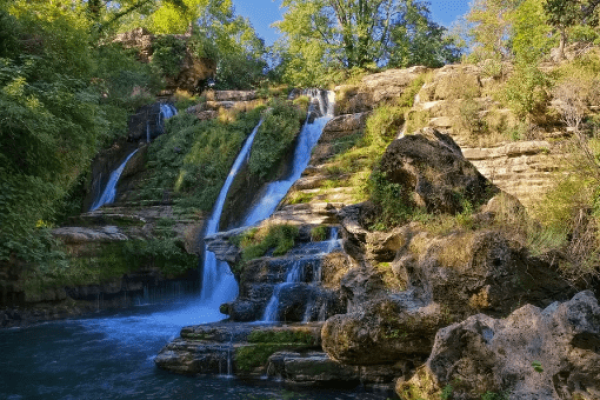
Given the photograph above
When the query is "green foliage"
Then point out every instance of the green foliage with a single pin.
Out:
(537, 367)
(257, 242)
(531, 38)
(526, 89)
(489, 28)
(168, 54)
(192, 160)
(274, 139)
(318, 233)
(392, 200)
(57, 112)
(446, 393)
(494, 396)
(321, 38)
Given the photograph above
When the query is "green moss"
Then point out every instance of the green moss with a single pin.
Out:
(257, 242)
(265, 343)
(190, 163)
(109, 261)
(417, 120)
(289, 337)
(248, 358)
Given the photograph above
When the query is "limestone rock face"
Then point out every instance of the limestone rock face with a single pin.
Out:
(221, 245)
(192, 72)
(76, 235)
(374, 89)
(345, 124)
(384, 332)
(533, 354)
(480, 272)
(431, 165)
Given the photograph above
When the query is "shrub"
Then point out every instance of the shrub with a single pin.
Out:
(318, 234)
(392, 201)
(525, 90)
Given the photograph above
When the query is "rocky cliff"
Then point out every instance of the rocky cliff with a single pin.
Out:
(385, 298)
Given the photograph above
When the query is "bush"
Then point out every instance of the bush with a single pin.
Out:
(318, 234)
(392, 201)
(525, 90)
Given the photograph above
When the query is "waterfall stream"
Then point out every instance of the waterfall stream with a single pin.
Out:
(308, 138)
(109, 194)
(296, 275)
(218, 283)
(110, 191)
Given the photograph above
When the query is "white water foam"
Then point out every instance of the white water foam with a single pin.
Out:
(308, 138)
(218, 283)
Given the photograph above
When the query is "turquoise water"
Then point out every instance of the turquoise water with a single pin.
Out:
(111, 357)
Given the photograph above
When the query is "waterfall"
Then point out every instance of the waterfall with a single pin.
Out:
(218, 284)
(308, 138)
(110, 192)
(296, 275)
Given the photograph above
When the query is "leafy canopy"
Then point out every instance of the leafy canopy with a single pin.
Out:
(322, 35)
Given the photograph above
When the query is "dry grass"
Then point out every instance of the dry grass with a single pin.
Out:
(419, 245)
(390, 280)
(457, 250)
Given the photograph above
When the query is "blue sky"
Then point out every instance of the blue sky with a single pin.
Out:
(263, 13)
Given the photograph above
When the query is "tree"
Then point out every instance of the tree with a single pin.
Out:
(563, 14)
(354, 33)
(490, 28)
(420, 41)
(530, 36)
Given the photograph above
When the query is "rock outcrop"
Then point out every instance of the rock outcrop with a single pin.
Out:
(193, 71)
(552, 353)
(433, 173)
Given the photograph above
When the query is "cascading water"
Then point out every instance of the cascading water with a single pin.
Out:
(308, 138)
(218, 283)
(110, 192)
(296, 275)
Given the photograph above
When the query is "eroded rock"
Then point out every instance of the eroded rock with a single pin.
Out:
(434, 174)
(533, 354)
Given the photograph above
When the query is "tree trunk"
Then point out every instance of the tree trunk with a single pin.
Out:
(563, 43)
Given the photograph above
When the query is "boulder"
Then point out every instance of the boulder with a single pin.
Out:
(434, 174)
(479, 272)
(385, 332)
(533, 354)
(346, 124)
